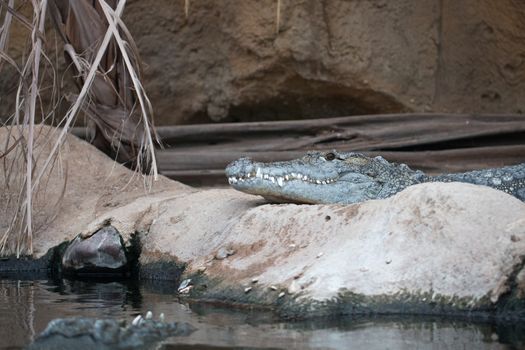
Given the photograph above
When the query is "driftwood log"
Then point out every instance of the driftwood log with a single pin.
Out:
(197, 154)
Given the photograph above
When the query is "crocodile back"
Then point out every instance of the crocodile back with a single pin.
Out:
(510, 179)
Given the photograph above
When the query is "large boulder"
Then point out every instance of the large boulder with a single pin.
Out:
(432, 248)
(436, 247)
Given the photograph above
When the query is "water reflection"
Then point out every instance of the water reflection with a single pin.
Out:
(27, 306)
(97, 295)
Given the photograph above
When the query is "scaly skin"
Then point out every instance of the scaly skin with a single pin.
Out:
(333, 177)
(90, 333)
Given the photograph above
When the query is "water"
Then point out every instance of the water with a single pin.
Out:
(26, 306)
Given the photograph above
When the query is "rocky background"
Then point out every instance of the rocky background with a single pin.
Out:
(227, 61)
(240, 61)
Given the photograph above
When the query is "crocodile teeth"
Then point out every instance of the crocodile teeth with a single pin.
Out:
(137, 321)
(279, 180)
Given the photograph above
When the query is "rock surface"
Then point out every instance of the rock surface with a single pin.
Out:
(438, 245)
(228, 61)
(101, 252)
(329, 58)
(433, 248)
(83, 184)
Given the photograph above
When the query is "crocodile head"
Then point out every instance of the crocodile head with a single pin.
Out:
(322, 177)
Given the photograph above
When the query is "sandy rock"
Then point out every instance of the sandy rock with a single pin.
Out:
(431, 241)
(329, 58)
(199, 223)
(82, 185)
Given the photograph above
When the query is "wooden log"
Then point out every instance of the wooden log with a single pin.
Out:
(197, 154)
(358, 132)
(206, 168)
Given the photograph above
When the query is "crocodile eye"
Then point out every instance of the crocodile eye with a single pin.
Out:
(329, 156)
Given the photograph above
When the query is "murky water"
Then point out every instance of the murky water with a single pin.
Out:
(27, 306)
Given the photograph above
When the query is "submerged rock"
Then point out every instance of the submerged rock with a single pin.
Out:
(89, 333)
(101, 252)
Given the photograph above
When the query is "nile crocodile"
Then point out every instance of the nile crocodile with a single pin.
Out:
(81, 333)
(333, 177)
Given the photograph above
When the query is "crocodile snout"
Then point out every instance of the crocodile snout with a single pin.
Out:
(239, 167)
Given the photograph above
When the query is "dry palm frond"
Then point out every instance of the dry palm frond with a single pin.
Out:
(39, 23)
(115, 85)
(278, 17)
(107, 67)
(4, 34)
(27, 97)
(114, 19)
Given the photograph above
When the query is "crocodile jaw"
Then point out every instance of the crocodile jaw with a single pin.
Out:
(289, 182)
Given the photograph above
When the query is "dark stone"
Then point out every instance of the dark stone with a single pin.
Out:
(103, 252)
(162, 271)
(88, 333)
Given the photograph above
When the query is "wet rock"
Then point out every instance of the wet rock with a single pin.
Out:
(101, 252)
(106, 334)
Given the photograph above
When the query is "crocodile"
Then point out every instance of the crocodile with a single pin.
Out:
(336, 177)
(82, 333)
